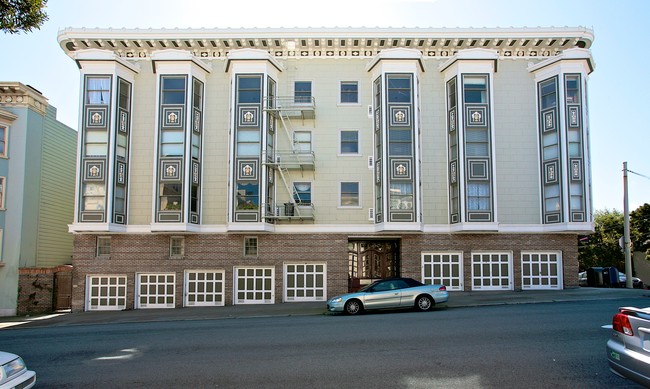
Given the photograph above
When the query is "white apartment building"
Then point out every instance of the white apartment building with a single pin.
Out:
(259, 166)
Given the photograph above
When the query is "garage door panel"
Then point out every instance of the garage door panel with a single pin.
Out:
(541, 270)
(443, 268)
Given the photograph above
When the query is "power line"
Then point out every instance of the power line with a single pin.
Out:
(638, 174)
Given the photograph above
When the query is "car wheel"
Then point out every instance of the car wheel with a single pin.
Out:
(353, 307)
(423, 303)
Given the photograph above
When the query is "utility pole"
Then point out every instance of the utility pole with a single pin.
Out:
(626, 232)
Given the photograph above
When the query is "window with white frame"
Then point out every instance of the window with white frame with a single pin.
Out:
(305, 282)
(302, 92)
(103, 246)
(177, 247)
(156, 290)
(4, 136)
(349, 92)
(302, 193)
(1, 240)
(204, 288)
(105, 293)
(250, 246)
(2, 192)
(302, 141)
(254, 285)
(349, 141)
(349, 195)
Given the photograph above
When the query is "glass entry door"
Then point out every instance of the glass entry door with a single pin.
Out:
(372, 260)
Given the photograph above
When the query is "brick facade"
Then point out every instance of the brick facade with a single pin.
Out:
(36, 289)
(131, 254)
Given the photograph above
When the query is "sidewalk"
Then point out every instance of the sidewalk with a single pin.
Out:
(456, 300)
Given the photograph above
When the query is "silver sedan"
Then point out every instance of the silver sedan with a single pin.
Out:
(390, 293)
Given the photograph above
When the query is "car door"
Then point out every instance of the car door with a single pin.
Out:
(385, 294)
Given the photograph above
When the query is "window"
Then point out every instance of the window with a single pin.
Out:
(249, 90)
(247, 196)
(400, 142)
(173, 90)
(302, 192)
(170, 197)
(548, 94)
(478, 196)
(248, 142)
(4, 132)
(98, 90)
(94, 196)
(401, 196)
(2, 192)
(302, 92)
(302, 141)
(475, 89)
(350, 142)
(399, 89)
(176, 246)
(250, 246)
(349, 194)
(103, 246)
(349, 92)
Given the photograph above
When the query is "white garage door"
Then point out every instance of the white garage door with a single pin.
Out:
(305, 282)
(204, 288)
(492, 271)
(105, 293)
(254, 285)
(541, 270)
(155, 290)
(443, 268)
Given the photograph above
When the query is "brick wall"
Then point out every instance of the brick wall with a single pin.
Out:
(150, 253)
(36, 289)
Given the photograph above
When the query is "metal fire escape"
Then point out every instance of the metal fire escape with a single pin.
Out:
(286, 109)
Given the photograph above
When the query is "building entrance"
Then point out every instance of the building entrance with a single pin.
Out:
(370, 260)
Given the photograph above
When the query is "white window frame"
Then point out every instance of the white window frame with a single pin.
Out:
(445, 269)
(116, 291)
(340, 205)
(347, 103)
(346, 154)
(308, 270)
(247, 240)
(254, 296)
(169, 279)
(311, 93)
(172, 254)
(510, 277)
(296, 142)
(203, 286)
(5, 141)
(311, 192)
(540, 286)
(3, 192)
(1, 241)
(99, 246)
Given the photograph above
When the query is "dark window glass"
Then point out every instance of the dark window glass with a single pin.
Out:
(399, 142)
(173, 90)
(349, 92)
(349, 142)
(399, 89)
(548, 91)
(475, 89)
(302, 92)
(247, 196)
(249, 90)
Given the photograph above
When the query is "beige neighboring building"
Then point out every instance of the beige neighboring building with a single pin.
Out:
(261, 166)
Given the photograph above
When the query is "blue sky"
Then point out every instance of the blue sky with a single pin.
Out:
(616, 91)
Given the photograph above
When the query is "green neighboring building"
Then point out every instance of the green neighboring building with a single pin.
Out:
(37, 174)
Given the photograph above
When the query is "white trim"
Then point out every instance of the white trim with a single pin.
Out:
(3, 192)
(340, 152)
(165, 295)
(5, 154)
(510, 269)
(559, 271)
(343, 104)
(441, 277)
(266, 297)
(305, 288)
(216, 302)
(104, 292)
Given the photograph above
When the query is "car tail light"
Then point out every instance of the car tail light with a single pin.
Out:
(622, 324)
(442, 288)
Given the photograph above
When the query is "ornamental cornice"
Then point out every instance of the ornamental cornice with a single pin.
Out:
(15, 94)
(328, 42)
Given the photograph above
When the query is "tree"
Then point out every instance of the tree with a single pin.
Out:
(640, 229)
(22, 15)
(602, 247)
